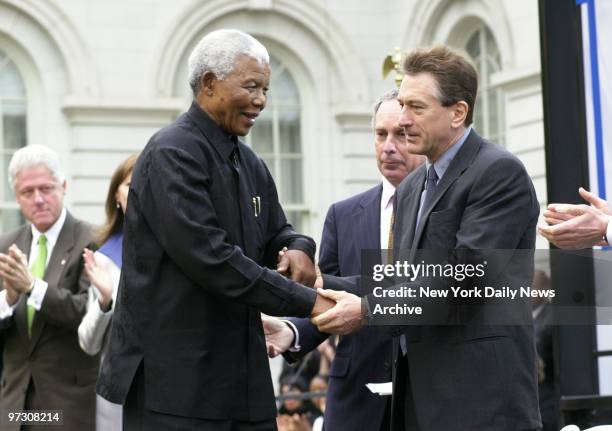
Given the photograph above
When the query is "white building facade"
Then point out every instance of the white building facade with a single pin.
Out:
(95, 79)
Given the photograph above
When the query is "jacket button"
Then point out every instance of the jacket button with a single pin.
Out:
(386, 364)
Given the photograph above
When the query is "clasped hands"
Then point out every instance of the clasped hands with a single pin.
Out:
(16, 274)
(577, 226)
(334, 312)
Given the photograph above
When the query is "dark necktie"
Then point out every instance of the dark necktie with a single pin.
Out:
(235, 158)
(430, 188)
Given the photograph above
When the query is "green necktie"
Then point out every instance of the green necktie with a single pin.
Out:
(38, 271)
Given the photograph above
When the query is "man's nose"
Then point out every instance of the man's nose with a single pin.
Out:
(260, 99)
(38, 196)
(389, 144)
(405, 119)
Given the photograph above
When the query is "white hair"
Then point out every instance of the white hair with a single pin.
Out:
(389, 95)
(35, 155)
(217, 51)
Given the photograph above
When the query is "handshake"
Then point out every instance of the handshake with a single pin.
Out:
(335, 312)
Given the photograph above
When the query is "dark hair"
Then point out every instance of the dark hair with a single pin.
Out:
(114, 215)
(455, 75)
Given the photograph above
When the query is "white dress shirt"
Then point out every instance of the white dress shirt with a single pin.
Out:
(40, 286)
(386, 210)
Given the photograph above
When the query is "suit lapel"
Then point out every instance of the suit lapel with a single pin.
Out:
(24, 242)
(408, 203)
(463, 159)
(368, 220)
(55, 268)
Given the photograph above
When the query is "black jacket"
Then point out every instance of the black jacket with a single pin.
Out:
(193, 281)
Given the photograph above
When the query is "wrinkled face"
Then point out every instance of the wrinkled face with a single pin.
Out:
(430, 127)
(40, 196)
(392, 155)
(122, 192)
(235, 102)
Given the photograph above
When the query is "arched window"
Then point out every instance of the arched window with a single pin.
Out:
(12, 135)
(488, 115)
(277, 139)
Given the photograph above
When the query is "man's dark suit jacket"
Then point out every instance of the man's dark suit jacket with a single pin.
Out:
(470, 377)
(192, 283)
(363, 357)
(63, 375)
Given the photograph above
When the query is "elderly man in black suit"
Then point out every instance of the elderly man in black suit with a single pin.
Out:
(202, 229)
(44, 298)
(471, 195)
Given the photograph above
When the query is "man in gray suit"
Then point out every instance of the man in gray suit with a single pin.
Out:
(463, 373)
(43, 296)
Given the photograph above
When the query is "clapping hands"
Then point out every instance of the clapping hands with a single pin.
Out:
(577, 226)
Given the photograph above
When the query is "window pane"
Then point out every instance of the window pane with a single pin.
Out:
(285, 91)
(12, 136)
(473, 45)
(488, 118)
(291, 181)
(296, 218)
(261, 135)
(289, 132)
(11, 83)
(14, 130)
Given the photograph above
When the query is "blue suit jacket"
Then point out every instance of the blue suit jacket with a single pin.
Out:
(365, 356)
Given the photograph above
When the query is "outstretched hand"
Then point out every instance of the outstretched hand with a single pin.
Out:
(278, 335)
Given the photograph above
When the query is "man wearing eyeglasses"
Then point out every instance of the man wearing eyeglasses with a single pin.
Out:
(43, 297)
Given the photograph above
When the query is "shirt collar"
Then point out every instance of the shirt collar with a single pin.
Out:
(52, 233)
(224, 142)
(388, 190)
(441, 165)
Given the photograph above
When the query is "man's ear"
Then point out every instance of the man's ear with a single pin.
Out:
(460, 111)
(208, 82)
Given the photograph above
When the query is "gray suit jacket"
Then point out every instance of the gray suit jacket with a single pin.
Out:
(469, 376)
(63, 375)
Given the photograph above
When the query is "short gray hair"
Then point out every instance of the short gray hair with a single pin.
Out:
(35, 155)
(217, 51)
(389, 95)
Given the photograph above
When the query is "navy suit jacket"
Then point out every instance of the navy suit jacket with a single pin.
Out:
(364, 356)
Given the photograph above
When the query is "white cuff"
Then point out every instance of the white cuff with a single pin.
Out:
(6, 310)
(295, 346)
(609, 230)
(38, 293)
